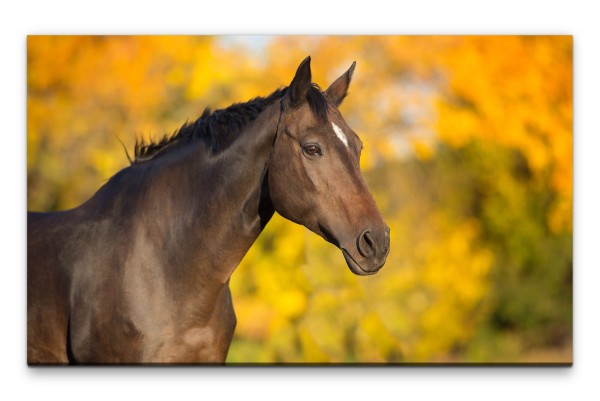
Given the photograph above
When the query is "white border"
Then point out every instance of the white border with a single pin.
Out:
(20, 18)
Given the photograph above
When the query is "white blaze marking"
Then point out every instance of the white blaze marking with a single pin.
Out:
(340, 134)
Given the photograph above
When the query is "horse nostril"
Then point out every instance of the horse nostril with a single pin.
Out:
(366, 245)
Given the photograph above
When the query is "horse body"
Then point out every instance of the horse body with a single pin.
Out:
(140, 272)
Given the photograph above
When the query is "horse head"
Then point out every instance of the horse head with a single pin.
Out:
(314, 176)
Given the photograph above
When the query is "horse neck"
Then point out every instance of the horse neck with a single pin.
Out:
(201, 211)
(235, 203)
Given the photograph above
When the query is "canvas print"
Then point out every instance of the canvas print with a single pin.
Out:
(280, 200)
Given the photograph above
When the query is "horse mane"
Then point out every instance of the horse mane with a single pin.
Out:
(218, 129)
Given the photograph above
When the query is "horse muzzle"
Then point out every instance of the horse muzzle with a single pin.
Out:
(369, 253)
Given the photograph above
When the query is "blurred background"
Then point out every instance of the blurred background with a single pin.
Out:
(467, 150)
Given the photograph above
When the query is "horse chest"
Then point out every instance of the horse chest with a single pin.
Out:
(189, 339)
(194, 345)
(122, 342)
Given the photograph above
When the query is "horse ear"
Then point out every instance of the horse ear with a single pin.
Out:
(339, 89)
(301, 82)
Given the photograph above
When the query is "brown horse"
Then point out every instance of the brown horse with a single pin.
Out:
(140, 272)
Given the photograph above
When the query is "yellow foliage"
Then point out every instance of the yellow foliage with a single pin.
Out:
(291, 303)
(422, 150)
(515, 91)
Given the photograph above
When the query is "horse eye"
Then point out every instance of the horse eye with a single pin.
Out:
(312, 150)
